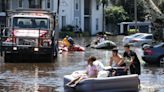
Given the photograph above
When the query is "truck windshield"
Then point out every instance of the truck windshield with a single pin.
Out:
(30, 22)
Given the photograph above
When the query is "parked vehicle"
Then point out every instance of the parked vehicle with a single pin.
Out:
(127, 39)
(30, 34)
(142, 40)
(154, 54)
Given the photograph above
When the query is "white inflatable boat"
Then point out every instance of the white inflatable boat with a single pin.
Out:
(107, 44)
(125, 83)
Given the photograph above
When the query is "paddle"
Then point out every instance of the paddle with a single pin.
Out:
(88, 45)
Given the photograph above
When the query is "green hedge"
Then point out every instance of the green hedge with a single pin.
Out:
(63, 34)
(132, 31)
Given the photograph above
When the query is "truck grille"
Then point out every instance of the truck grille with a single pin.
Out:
(27, 41)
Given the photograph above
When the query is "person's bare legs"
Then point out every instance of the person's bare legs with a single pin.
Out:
(73, 81)
(77, 81)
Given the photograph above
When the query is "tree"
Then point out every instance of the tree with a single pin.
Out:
(128, 5)
(115, 15)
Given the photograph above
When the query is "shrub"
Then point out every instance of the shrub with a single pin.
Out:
(132, 31)
(67, 28)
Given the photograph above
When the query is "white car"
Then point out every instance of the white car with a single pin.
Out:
(142, 40)
(127, 39)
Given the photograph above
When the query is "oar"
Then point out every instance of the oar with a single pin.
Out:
(88, 45)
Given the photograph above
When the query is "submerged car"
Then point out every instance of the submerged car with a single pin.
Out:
(154, 54)
(127, 39)
(142, 40)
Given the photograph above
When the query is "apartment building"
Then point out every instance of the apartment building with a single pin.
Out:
(87, 14)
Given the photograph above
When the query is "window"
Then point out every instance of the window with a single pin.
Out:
(48, 4)
(35, 3)
(97, 24)
(4, 5)
(97, 6)
(77, 5)
(77, 21)
(20, 2)
(29, 22)
(149, 37)
(63, 21)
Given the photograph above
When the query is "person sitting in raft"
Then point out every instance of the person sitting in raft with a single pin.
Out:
(117, 61)
(71, 41)
(91, 72)
(66, 42)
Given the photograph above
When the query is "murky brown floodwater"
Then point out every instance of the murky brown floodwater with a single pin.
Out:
(48, 77)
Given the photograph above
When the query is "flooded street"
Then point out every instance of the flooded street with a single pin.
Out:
(48, 77)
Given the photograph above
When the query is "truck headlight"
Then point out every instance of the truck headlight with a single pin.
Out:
(36, 49)
(15, 48)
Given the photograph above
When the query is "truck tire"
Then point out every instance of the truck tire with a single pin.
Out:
(7, 58)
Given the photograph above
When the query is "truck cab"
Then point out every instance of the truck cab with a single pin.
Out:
(29, 34)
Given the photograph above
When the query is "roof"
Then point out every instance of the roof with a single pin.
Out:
(32, 15)
(138, 23)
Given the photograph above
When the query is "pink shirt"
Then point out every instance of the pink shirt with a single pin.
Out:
(92, 71)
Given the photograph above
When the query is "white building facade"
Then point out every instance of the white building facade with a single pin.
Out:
(86, 14)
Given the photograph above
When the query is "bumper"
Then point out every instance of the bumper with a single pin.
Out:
(150, 59)
(28, 50)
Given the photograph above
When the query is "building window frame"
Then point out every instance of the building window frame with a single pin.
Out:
(97, 6)
(77, 5)
(77, 21)
(20, 3)
(97, 24)
(64, 20)
(48, 4)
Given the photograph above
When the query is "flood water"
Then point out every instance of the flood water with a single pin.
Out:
(48, 77)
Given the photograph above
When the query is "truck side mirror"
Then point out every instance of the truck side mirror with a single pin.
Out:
(5, 32)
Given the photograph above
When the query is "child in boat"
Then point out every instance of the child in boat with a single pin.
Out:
(91, 72)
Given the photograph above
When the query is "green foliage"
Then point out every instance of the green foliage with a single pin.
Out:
(63, 34)
(128, 5)
(68, 28)
(132, 31)
(115, 15)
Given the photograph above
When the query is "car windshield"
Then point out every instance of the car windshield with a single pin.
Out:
(30, 22)
(136, 35)
(144, 36)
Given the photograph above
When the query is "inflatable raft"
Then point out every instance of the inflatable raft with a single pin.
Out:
(107, 44)
(74, 48)
(125, 83)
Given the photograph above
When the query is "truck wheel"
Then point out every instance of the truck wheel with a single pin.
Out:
(55, 54)
(7, 58)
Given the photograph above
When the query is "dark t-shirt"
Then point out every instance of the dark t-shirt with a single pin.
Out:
(132, 54)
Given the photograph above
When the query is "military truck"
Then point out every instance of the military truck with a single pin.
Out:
(30, 34)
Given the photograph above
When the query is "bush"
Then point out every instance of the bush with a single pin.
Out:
(68, 28)
(63, 34)
(132, 31)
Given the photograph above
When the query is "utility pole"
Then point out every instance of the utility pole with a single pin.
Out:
(135, 14)
(103, 18)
